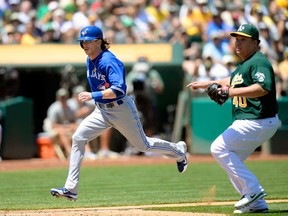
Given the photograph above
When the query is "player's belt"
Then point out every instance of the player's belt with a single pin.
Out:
(110, 105)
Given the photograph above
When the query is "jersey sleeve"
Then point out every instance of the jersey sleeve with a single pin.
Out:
(263, 74)
(116, 77)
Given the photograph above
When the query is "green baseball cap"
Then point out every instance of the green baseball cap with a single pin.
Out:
(247, 30)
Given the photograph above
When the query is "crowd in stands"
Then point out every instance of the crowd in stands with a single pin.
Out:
(202, 26)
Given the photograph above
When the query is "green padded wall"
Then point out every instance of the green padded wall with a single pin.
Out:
(208, 120)
(18, 139)
(283, 110)
(279, 142)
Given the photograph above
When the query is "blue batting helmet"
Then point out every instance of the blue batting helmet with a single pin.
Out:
(90, 33)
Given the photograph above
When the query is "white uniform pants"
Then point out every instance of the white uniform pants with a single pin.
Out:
(235, 144)
(125, 119)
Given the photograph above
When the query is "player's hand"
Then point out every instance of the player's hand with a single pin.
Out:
(198, 85)
(84, 96)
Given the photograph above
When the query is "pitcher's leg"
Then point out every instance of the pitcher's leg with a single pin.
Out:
(230, 150)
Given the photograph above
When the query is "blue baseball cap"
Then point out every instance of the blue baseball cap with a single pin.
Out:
(90, 33)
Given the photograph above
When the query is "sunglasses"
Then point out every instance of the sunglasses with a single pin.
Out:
(88, 41)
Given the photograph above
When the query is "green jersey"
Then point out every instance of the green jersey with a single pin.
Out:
(256, 69)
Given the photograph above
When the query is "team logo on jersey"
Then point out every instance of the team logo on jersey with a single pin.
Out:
(260, 76)
(237, 79)
(103, 86)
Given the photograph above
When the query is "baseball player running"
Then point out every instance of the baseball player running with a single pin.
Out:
(106, 77)
(252, 89)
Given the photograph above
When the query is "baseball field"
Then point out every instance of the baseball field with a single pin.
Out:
(136, 186)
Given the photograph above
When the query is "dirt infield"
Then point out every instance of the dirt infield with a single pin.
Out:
(123, 210)
(113, 211)
(38, 163)
(13, 165)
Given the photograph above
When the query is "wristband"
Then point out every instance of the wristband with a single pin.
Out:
(96, 95)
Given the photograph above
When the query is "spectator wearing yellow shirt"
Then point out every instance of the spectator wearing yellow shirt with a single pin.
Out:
(156, 14)
(283, 71)
(30, 35)
(196, 19)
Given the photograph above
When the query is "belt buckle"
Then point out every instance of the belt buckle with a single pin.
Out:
(110, 105)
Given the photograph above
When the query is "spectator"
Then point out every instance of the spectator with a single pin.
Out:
(230, 61)
(13, 6)
(136, 21)
(60, 24)
(172, 26)
(68, 36)
(8, 35)
(70, 7)
(215, 47)
(225, 9)
(116, 32)
(81, 17)
(217, 25)
(142, 21)
(195, 19)
(26, 11)
(30, 35)
(10, 82)
(16, 22)
(238, 13)
(267, 21)
(250, 7)
(268, 45)
(156, 14)
(81, 110)
(283, 27)
(42, 10)
(145, 84)
(60, 122)
(207, 70)
(278, 80)
(49, 34)
(4, 6)
(283, 71)
(104, 145)
(47, 13)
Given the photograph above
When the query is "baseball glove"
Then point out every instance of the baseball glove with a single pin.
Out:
(218, 93)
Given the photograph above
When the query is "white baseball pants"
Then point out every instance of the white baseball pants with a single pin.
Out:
(125, 119)
(235, 144)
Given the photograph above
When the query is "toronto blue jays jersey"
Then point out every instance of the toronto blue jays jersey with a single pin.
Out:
(106, 71)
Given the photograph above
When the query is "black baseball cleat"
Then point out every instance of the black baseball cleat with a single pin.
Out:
(182, 165)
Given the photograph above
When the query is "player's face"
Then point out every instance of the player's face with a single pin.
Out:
(245, 46)
(92, 47)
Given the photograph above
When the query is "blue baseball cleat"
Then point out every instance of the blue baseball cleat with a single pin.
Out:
(63, 192)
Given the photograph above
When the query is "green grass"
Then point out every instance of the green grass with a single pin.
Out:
(138, 185)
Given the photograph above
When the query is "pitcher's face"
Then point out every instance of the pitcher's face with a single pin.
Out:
(245, 46)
